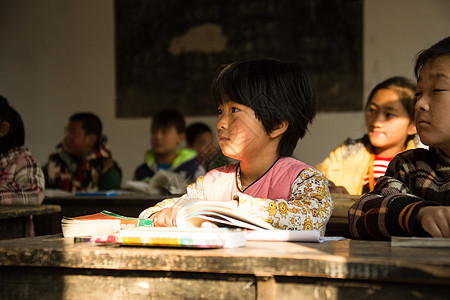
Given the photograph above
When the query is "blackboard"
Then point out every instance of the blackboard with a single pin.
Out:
(167, 51)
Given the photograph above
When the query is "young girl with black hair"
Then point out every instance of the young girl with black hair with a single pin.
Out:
(264, 107)
(355, 166)
(21, 177)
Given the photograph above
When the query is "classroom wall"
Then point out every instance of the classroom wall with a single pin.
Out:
(57, 57)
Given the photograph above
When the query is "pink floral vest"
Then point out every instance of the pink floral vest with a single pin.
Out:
(220, 184)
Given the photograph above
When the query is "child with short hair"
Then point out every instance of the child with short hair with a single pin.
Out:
(82, 161)
(264, 107)
(167, 133)
(355, 166)
(199, 137)
(21, 178)
(413, 199)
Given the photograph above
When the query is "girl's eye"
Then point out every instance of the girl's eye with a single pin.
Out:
(437, 90)
(219, 111)
(234, 109)
(388, 115)
(418, 94)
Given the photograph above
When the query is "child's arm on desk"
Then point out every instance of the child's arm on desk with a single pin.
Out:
(165, 211)
(309, 206)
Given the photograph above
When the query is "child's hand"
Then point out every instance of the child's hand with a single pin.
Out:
(165, 218)
(435, 220)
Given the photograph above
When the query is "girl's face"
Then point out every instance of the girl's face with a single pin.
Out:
(239, 133)
(433, 104)
(388, 123)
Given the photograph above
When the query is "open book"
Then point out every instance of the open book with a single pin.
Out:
(102, 223)
(210, 214)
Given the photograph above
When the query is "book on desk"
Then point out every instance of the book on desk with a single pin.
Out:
(200, 224)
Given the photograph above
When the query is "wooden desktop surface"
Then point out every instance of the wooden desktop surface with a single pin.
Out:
(54, 267)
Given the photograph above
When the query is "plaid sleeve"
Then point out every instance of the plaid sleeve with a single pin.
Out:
(391, 208)
(23, 182)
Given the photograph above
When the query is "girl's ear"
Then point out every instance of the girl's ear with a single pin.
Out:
(282, 127)
(4, 128)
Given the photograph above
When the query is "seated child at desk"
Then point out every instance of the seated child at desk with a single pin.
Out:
(21, 178)
(413, 199)
(264, 107)
(82, 161)
(167, 133)
(355, 166)
(199, 137)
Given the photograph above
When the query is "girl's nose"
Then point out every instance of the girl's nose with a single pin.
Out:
(222, 123)
(377, 119)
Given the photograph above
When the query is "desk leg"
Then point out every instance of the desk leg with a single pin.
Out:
(265, 287)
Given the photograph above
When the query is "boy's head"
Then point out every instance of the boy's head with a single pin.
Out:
(12, 131)
(276, 91)
(432, 70)
(167, 131)
(82, 135)
(198, 136)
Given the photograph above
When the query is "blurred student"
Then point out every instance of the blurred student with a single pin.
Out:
(199, 137)
(167, 133)
(21, 178)
(264, 107)
(413, 199)
(82, 161)
(355, 166)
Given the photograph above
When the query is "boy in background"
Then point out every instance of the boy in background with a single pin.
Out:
(167, 133)
(82, 161)
(413, 199)
(199, 137)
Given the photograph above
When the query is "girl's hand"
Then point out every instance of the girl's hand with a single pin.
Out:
(165, 218)
(435, 220)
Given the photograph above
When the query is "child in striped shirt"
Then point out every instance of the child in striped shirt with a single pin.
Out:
(413, 199)
(355, 166)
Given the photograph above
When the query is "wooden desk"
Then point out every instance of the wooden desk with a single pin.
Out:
(15, 219)
(128, 204)
(54, 267)
(338, 224)
(131, 204)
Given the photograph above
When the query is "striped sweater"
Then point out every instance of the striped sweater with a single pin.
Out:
(414, 179)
